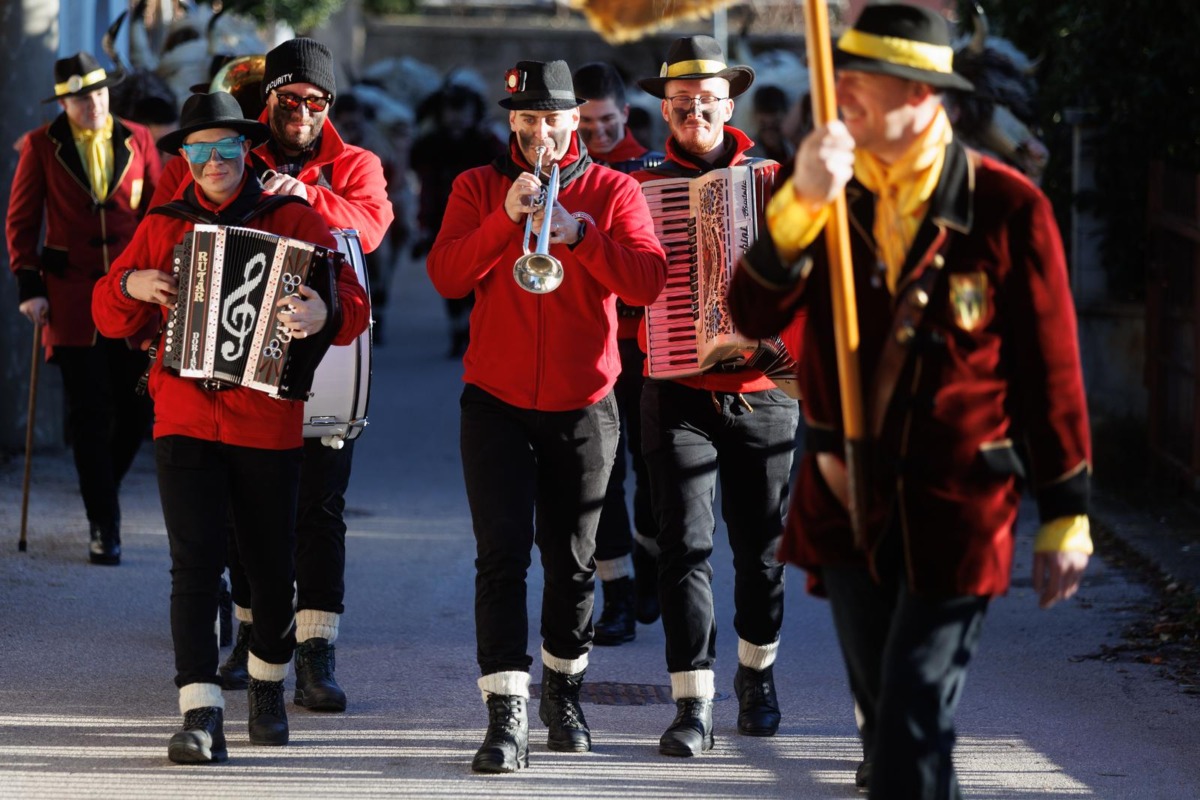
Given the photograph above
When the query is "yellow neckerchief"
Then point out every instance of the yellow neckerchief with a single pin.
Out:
(95, 148)
(902, 190)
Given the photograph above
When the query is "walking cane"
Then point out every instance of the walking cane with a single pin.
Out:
(33, 384)
(841, 276)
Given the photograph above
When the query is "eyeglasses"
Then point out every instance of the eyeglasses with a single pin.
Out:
(290, 102)
(228, 149)
(705, 102)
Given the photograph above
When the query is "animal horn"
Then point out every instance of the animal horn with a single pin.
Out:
(979, 27)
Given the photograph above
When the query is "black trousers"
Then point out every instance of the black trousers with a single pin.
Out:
(614, 537)
(534, 476)
(201, 484)
(320, 532)
(906, 657)
(106, 419)
(692, 439)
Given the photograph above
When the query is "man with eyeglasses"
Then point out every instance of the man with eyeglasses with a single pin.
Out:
(731, 424)
(305, 157)
(225, 451)
(80, 189)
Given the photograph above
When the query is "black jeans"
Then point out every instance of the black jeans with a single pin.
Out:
(690, 439)
(320, 532)
(906, 657)
(106, 419)
(614, 538)
(534, 476)
(200, 484)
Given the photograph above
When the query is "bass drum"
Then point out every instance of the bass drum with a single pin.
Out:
(337, 410)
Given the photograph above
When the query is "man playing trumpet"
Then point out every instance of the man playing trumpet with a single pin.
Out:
(539, 422)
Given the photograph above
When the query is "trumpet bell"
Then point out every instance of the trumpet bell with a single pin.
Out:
(538, 273)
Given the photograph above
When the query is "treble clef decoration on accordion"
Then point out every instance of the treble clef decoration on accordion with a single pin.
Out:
(224, 331)
(705, 223)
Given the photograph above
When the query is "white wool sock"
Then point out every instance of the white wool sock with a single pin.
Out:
(615, 568)
(313, 624)
(200, 695)
(514, 682)
(264, 671)
(567, 666)
(757, 656)
(697, 683)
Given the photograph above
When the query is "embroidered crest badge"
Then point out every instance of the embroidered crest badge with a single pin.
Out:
(969, 299)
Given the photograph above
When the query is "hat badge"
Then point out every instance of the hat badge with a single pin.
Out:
(514, 81)
(74, 83)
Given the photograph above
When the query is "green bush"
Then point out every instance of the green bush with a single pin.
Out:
(302, 15)
(1131, 65)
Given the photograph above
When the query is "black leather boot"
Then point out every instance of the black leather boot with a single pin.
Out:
(105, 546)
(202, 740)
(235, 673)
(758, 707)
(617, 624)
(692, 731)
(316, 688)
(645, 582)
(268, 717)
(560, 712)
(505, 747)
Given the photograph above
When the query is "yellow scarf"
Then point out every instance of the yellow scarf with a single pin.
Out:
(902, 191)
(95, 148)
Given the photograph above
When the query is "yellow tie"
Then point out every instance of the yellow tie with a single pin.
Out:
(95, 148)
(902, 190)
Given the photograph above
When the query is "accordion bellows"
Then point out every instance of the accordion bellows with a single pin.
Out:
(224, 331)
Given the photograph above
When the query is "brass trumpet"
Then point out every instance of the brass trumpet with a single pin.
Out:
(537, 271)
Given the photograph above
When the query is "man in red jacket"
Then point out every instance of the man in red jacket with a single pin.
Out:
(539, 421)
(221, 449)
(730, 423)
(968, 350)
(84, 179)
(345, 184)
(625, 556)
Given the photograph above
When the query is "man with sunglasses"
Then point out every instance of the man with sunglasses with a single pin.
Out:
(730, 424)
(77, 196)
(306, 157)
(225, 451)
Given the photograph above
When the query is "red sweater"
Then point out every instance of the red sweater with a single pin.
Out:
(557, 351)
(238, 416)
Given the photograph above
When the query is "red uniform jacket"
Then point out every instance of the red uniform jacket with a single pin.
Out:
(679, 162)
(82, 235)
(976, 353)
(556, 351)
(355, 197)
(238, 416)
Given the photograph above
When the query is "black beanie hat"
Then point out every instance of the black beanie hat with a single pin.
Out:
(299, 61)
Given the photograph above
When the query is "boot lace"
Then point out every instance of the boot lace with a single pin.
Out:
(266, 697)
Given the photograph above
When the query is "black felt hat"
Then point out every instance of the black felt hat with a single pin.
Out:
(694, 58)
(903, 41)
(216, 110)
(80, 74)
(540, 86)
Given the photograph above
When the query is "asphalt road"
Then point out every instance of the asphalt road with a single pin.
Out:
(87, 702)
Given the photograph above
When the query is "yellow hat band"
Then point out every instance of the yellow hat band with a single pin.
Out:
(77, 82)
(699, 66)
(894, 50)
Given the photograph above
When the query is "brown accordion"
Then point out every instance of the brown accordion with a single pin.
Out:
(224, 331)
(705, 223)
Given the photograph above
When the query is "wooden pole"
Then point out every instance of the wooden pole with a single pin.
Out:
(33, 384)
(841, 274)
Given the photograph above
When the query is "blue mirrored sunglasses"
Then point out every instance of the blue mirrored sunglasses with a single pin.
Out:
(228, 149)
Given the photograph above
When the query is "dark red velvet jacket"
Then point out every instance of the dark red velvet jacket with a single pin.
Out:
(82, 236)
(981, 342)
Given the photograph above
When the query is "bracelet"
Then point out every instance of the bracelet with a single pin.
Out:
(125, 284)
(580, 231)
